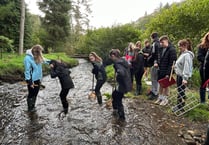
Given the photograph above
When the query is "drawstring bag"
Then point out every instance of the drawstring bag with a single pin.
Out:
(166, 82)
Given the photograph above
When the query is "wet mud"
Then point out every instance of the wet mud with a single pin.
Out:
(87, 123)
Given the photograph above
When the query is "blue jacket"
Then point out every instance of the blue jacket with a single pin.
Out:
(33, 71)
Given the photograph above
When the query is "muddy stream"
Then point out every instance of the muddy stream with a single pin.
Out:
(87, 123)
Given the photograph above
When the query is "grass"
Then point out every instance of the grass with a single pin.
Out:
(200, 113)
(12, 67)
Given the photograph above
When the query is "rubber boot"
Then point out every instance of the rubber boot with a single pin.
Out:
(65, 110)
(137, 90)
(140, 89)
(99, 99)
(202, 95)
(115, 112)
(121, 113)
(29, 103)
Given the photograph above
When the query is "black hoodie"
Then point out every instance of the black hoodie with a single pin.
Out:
(61, 71)
(123, 77)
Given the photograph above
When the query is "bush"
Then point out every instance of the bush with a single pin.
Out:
(195, 80)
(12, 67)
(6, 44)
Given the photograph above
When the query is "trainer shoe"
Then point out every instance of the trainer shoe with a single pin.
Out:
(164, 101)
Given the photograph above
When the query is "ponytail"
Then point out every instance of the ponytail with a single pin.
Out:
(186, 43)
(189, 44)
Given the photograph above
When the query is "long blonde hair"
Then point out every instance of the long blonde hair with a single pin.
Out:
(97, 58)
(37, 53)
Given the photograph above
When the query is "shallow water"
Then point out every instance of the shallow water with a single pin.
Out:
(87, 123)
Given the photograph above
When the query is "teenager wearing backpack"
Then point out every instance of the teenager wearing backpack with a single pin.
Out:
(203, 49)
(100, 74)
(123, 83)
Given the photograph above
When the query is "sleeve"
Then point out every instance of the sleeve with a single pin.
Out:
(53, 73)
(95, 68)
(201, 55)
(46, 61)
(27, 66)
(141, 61)
(119, 72)
(173, 57)
(187, 71)
(156, 46)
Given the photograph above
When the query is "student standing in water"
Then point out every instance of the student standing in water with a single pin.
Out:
(100, 74)
(60, 70)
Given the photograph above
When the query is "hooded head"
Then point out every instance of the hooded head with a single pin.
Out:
(36, 53)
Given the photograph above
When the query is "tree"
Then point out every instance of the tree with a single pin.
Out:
(104, 39)
(56, 22)
(10, 14)
(22, 23)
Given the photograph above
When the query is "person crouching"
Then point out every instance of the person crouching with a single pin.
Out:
(60, 70)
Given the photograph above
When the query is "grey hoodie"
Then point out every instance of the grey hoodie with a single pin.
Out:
(184, 65)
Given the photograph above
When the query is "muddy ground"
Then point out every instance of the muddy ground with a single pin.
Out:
(87, 123)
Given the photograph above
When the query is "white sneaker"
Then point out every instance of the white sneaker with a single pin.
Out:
(164, 101)
(158, 101)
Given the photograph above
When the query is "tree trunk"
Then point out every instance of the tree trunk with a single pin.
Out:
(22, 23)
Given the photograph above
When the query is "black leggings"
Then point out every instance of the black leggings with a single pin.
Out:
(138, 77)
(63, 95)
(181, 92)
(98, 86)
(117, 103)
(32, 94)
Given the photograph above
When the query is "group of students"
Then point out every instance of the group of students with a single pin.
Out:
(33, 74)
(160, 56)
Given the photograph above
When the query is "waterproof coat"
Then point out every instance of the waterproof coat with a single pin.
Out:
(154, 55)
(33, 71)
(138, 62)
(166, 60)
(63, 73)
(99, 71)
(203, 57)
(123, 77)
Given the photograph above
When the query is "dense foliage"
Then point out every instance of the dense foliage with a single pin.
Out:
(10, 22)
(104, 39)
(188, 19)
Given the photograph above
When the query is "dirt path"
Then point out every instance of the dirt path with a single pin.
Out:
(86, 123)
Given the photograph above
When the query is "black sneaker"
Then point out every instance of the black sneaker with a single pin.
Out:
(153, 97)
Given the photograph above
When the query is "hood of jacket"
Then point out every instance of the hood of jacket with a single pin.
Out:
(122, 62)
(29, 52)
